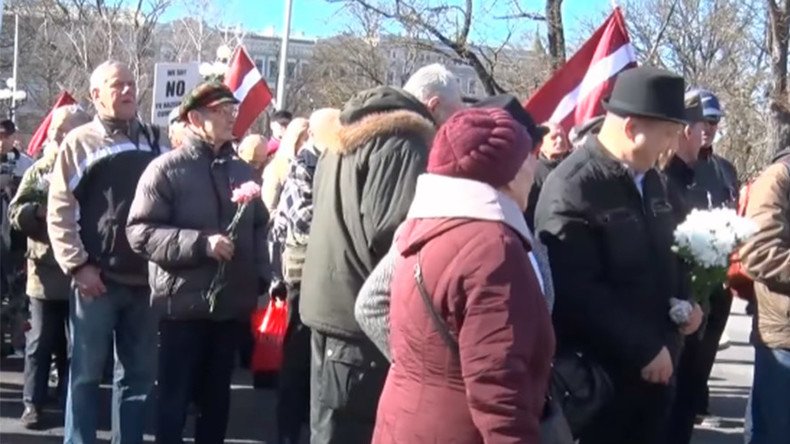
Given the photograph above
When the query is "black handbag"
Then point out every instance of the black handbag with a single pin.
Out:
(554, 428)
(581, 387)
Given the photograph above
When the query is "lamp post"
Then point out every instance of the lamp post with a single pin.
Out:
(216, 70)
(281, 77)
(12, 97)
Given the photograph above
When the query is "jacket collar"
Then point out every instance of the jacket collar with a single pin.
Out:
(111, 127)
(202, 147)
(448, 197)
(680, 171)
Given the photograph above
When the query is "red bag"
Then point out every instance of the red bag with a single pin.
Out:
(739, 282)
(269, 326)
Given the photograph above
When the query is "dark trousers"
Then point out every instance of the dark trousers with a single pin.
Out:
(346, 380)
(293, 391)
(716, 322)
(638, 414)
(694, 368)
(49, 323)
(196, 362)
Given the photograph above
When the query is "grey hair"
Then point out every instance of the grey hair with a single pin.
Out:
(99, 74)
(432, 81)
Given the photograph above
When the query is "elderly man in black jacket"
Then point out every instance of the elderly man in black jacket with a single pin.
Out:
(607, 222)
(177, 221)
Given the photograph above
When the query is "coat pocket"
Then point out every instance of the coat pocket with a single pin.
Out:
(351, 381)
(624, 238)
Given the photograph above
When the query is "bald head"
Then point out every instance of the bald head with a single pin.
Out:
(114, 91)
(65, 119)
(323, 127)
(555, 144)
(252, 150)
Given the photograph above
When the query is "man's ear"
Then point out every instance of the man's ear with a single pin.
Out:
(194, 118)
(630, 127)
(687, 130)
(94, 95)
(432, 104)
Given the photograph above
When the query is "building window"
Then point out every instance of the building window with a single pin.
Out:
(272, 74)
(291, 69)
(259, 64)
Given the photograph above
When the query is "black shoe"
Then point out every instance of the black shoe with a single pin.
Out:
(31, 417)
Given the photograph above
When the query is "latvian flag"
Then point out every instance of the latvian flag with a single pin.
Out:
(249, 88)
(573, 94)
(40, 136)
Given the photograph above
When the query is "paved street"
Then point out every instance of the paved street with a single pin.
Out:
(252, 417)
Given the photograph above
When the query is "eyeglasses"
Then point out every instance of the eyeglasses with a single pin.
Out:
(712, 120)
(228, 110)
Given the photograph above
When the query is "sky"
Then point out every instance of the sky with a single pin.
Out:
(320, 18)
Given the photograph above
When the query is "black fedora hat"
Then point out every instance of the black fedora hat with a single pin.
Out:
(648, 92)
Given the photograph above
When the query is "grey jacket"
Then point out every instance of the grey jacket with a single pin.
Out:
(372, 308)
(182, 198)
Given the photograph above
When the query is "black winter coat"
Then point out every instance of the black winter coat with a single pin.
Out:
(544, 167)
(182, 198)
(611, 259)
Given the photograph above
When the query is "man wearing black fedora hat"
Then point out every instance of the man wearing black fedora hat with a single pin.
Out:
(606, 219)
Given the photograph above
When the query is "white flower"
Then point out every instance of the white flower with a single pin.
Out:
(708, 237)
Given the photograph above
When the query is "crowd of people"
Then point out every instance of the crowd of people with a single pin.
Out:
(441, 263)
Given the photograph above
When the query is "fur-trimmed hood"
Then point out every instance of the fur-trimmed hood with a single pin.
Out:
(378, 112)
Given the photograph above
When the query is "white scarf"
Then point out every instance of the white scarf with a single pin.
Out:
(449, 197)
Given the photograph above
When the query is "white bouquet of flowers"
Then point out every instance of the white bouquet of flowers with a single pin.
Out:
(706, 239)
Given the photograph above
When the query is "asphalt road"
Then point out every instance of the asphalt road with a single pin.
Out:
(252, 411)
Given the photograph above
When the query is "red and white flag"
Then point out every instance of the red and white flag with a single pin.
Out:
(573, 94)
(40, 136)
(249, 88)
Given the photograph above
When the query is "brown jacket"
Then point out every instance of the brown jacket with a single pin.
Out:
(766, 256)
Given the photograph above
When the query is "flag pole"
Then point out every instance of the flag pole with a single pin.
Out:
(15, 66)
(281, 75)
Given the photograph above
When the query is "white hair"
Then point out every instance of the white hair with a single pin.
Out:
(99, 75)
(433, 81)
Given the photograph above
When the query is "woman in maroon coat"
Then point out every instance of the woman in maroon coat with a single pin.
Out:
(467, 232)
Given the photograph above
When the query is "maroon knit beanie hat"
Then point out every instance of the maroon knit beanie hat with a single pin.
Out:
(482, 144)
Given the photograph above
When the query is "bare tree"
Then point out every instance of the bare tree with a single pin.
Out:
(555, 31)
(66, 39)
(448, 24)
(718, 45)
(779, 95)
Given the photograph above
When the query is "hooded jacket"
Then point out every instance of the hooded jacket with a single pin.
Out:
(363, 187)
(182, 198)
(766, 256)
(486, 290)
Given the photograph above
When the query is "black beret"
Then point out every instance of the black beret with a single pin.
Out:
(206, 94)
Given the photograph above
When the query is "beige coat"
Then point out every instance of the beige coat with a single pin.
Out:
(766, 256)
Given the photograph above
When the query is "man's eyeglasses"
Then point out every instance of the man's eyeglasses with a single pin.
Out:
(713, 120)
(227, 110)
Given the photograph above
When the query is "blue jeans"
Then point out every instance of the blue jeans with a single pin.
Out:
(123, 313)
(771, 395)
